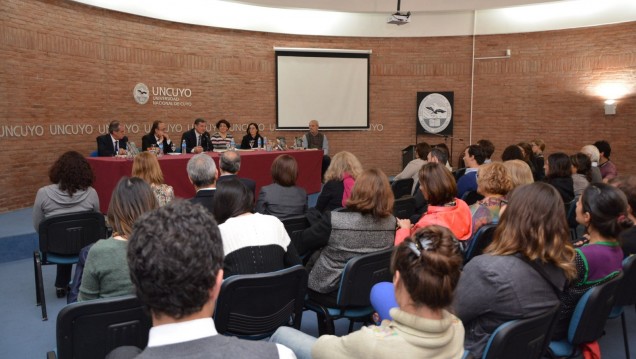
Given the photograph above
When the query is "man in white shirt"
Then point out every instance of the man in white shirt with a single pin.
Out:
(175, 256)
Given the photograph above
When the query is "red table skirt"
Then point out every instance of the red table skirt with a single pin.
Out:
(254, 165)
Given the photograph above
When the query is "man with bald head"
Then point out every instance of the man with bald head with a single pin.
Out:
(316, 139)
(230, 164)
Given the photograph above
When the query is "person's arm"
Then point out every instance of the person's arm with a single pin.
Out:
(325, 196)
(291, 257)
(38, 213)
(93, 198)
(359, 344)
(409, 171)
(476, 292)
(325, 145)
(145, 142)
(103, 148)
(317, 234)
(261, 203)
(89, 289)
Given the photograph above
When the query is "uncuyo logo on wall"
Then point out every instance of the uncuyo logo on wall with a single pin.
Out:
(141, 93)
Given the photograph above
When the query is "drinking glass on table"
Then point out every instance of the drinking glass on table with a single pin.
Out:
(252, 143)
(173, 147)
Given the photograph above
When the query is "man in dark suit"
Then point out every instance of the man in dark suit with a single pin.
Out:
(202, 173)
(175, 258)
(156, 136)
(114, 142)
(230, 164)
(197, 139)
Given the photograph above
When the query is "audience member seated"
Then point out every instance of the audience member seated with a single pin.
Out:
(366, 225)
(528, 157)
(512, 152)
(283, 199)
(146, 166)
(442, 147)
(519, 172)
(156, 136)
(105, 273)
(628, 237)
(339, 180)
(221, 138)
(202, 173)
(252, 242)
(488, 148)
(494, 183)
(426, 270)
(581, 172)
(114, 142)
(230, 165)
(197, 139)
(605, 165)
(250, 140)
(438, 187)
(602, 209)
(71, 177)
(314, 139)
(473, 158)
(506, 282)
(592, 152)
(538, 146)
(413, 167)
(175, 257)
(559, 174)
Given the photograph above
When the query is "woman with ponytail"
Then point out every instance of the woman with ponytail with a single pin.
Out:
(426, 269)
(602, 209)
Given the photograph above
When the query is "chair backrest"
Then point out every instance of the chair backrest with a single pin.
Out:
(471, 197)
(626, 294)
(404, 207)
(93, 328)
(480, 240)
(360, 274)
(591, 312)
(253, 306)
(402, 187)
(523, 338)
(67, 234)
(295, 227)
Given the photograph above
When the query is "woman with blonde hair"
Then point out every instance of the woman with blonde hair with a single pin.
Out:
(522, 271)
(494, 183)
(339, 180)
(519, 171)
(146, 167)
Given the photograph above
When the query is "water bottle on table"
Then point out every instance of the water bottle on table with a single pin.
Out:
(183, 147)
(260, 143)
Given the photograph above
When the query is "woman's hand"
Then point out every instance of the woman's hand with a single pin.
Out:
(404, 223)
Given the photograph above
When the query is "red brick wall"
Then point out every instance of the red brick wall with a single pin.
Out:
(68, 64)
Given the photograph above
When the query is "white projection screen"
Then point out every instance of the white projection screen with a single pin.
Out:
(328, 86)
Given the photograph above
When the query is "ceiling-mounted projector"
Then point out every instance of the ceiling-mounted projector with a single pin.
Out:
(399, 18)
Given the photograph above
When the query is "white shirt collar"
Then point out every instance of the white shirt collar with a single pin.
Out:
(181, 332)
(113, 139)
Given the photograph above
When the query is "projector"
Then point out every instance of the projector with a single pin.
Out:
(399, 18)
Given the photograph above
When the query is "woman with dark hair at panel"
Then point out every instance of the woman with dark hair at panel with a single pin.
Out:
(283, 199)
(413, 167)
(71, 177)
(602, 209)
(558, 171)
(366, 225)
(252, 242)
(531, 241)
(105, 273)
(627, 184)
(581, 172)
(494, 183)
(250, 140)
(339, 180)
(146, 167)
(438, 187)
(221, 138)
(426, 269)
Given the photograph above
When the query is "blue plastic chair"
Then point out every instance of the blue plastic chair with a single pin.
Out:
(626, 296)
(480, 240)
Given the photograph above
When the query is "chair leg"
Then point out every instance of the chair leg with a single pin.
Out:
(40, 285)
(36, 259)
(625, 335)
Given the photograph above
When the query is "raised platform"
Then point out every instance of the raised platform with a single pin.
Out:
(18, 239)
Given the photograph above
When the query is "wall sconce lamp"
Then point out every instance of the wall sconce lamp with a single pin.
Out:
(610, 107)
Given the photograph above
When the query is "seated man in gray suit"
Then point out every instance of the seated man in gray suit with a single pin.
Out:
(175, 257)
(202, 173)
(230, 164)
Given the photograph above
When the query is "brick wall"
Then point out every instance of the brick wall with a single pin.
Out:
(68, 64)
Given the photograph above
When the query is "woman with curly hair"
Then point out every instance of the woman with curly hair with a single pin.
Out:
(71, 177)
(146, 167)
(222, 138)
(494, 183)
(339, 180)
